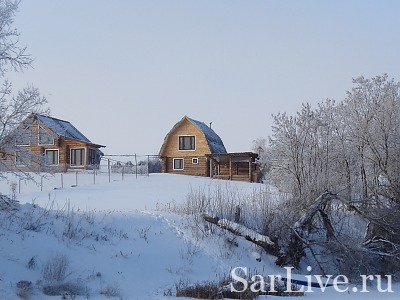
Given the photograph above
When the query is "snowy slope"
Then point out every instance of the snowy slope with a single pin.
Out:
(116, 239)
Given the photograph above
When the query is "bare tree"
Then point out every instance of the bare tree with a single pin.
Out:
(352, 149)
(12, 55)
(14, 108)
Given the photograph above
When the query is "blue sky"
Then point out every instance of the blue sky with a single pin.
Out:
(124, 72)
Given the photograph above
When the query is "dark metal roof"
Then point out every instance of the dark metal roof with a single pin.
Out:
(63, 128)
(214, 141)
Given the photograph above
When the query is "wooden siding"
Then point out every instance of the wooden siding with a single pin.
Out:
(186, 128)
(199, 169)
(171, 151)
(234, 166)
(61, 144)
(231, 166)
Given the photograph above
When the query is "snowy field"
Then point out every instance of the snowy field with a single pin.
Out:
(116, 239)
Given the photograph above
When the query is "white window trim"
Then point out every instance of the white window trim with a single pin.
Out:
(48, 134)
(58, 151)
(195, 143)
(195, 161)
(183, 164)
(23, 145)
(84, 157)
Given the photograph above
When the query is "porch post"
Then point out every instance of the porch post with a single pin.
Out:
(230, 167)
(250, 168)
(211, 167)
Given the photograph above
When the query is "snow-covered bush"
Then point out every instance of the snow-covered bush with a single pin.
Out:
(70, 289)
(257, 211)
(24, 289)
(56, 269)
(111, 290)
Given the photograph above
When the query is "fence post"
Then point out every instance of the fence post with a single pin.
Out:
(136, 165)
(94, 175)
(109, 170)
(123, 170)
(19, 185)
(62, 181)
(76, 178)
(237, 214)
(148, 162)
(41, 183)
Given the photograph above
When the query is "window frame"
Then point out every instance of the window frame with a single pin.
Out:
(191, 143)
(195, 161)
(178, 159)
(45, 133)
(58, 157)
(24, 131)
(83, 157)
(92, 157)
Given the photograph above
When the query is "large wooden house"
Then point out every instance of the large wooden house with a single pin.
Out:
(45, 143)
(193, 148)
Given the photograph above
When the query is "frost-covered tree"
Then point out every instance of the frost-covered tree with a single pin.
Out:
(352, 150)
(14, 107)
(260, 146)
(373, 113)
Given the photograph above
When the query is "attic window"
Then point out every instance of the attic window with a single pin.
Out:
(24, 136)
(45, 138)
(187, 142)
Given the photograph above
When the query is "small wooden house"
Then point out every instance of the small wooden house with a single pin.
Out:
(45, 143)
(193, 148)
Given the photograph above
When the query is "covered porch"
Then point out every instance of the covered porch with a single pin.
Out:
(241, 166)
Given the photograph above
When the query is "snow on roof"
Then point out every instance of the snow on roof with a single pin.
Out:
(63, 128)
(214, 141)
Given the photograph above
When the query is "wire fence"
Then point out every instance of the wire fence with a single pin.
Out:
(131, 164)
(111, 168)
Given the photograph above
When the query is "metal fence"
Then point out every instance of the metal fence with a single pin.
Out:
(131, 164)
(112, 168)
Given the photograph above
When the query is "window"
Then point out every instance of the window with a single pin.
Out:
(45, 138)
(52, 157)
(22, 158)
(23, 137)
(77, 157)
(187, 143)
(178, 163)
(195, 161)
(94, 157)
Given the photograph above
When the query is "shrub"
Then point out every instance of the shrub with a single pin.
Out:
(24, 289)
(62, 289)
(55, 270)
(111, 290)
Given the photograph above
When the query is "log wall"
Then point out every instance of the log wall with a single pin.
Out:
(171, 151)
(38, 151)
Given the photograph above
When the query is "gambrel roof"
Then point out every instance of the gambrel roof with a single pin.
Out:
(214, 142)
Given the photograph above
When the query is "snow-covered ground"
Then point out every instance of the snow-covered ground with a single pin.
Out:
(116, 239)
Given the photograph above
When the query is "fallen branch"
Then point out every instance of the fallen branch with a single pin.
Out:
(263, 241)
(7, 203)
